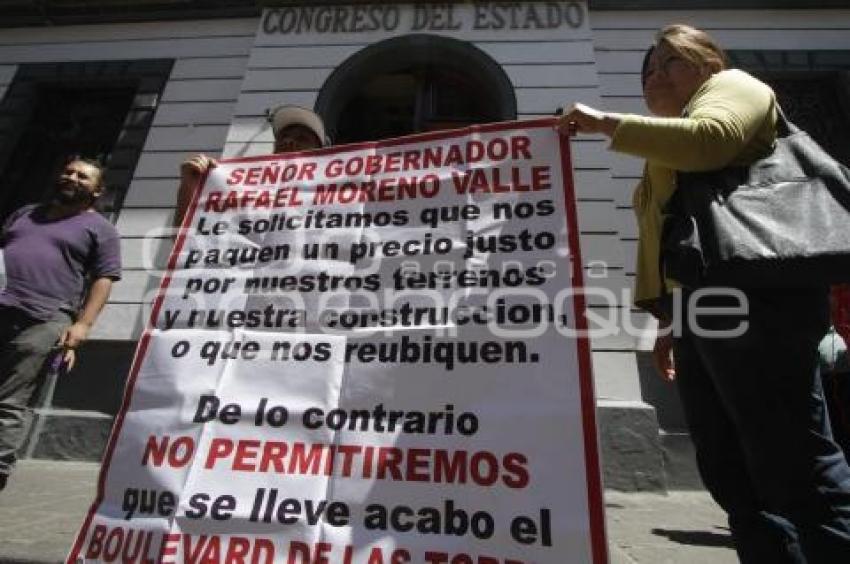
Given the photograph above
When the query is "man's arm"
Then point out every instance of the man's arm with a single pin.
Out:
(184, 193)
(191, 171)
(75, 334)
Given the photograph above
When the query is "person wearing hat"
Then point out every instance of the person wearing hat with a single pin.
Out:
(294, 128)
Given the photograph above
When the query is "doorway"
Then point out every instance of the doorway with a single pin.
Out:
(414, 84)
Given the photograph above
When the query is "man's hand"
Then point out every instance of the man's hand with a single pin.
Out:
(74, 335)
(190, 174)
(584, 119)
(662, 354)
(69, 359)
(192, 168)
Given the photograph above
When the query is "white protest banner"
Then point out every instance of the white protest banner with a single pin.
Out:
(370, 354)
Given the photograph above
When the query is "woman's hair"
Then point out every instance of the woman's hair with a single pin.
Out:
(644, 67)
(693, 45)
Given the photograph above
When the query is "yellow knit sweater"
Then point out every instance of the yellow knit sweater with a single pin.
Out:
(731, 120)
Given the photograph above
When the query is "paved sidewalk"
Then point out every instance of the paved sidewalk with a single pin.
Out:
(45, 502)
(683, 527)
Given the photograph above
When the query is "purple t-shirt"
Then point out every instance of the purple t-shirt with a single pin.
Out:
(48, 262)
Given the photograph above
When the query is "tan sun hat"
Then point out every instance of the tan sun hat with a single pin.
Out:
(286, 115)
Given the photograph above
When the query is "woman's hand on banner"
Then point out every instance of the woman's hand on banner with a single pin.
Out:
(584, 119)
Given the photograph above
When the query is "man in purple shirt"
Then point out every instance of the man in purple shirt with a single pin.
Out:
(61, 259)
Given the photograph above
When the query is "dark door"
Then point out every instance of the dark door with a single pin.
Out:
(413, 100)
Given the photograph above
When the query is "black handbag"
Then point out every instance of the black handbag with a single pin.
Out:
(783, 221)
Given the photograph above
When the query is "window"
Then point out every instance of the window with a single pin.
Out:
(57, 110)
(816, 102)
(65, 122)
(813, 88)
(413, 84)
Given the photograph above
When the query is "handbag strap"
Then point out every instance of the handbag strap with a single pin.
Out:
(784, 127)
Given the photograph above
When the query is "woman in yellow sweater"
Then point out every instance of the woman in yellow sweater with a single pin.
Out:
(752, 398)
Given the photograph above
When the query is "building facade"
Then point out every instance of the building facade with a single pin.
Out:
(146, 86)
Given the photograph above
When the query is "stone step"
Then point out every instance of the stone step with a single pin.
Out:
(65, 434)
(631, 451)
(680, 461)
